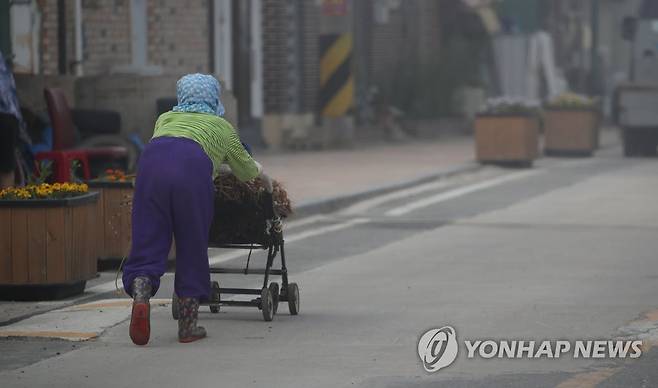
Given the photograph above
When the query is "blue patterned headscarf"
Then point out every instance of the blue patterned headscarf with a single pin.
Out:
(199, 93)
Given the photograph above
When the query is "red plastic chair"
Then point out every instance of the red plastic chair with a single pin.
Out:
(65, 138)
(62, 161)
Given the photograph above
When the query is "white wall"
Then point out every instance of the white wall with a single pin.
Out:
(25, 28)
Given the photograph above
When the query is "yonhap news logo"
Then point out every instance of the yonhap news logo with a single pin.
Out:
(438, 348)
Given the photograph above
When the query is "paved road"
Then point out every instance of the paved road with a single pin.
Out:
(565, 251)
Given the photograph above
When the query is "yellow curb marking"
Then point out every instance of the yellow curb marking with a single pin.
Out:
(113, 303)
(76, 335)
(647, 345)
(592, 379)
(589, 379)
(651, 316)
(92, 306)
(50, 334)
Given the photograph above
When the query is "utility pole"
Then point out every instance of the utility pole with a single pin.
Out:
(595, 68)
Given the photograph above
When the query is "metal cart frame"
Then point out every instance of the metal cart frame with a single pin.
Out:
(266, 234)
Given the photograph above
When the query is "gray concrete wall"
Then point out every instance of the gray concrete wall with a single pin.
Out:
(132, 96)
(615, 51)
(30, 90)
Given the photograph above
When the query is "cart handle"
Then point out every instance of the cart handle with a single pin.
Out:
(267, 181)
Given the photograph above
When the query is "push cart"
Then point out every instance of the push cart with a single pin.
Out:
(250, 226)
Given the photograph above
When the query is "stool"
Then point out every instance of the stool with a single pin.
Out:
(62, 161)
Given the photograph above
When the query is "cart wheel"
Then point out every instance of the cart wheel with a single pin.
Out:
(175, 312)
(293, 298)
(215, 298)
(266, 304)
(274, 290)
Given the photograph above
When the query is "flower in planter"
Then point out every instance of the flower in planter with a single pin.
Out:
(569, 100)
(114, 175)
(510, 106)
(44, 191)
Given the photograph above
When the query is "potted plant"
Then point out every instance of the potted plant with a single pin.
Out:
(116, 189)
(114, 208)
(507, 132)
(48, 246)
(571, 124)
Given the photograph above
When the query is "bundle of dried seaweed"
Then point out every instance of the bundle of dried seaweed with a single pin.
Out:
(242, 210)
(229, 188)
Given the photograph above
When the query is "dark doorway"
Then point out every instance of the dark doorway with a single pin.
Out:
(242, 61)
(248, 126)
(5, 34)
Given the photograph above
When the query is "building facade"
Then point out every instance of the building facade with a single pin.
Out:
(266, 52)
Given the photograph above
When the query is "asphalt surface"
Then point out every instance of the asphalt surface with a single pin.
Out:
(566, 250)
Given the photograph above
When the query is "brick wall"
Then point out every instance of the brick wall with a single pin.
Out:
(275, 62)
(409, 37)
(106, 35)
(429, 31)
(178, 35)
(279, 55)
(106, 30)
(48, 38)
(310, 56)
(386, 41)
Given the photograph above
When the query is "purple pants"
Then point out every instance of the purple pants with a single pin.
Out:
(173, 194)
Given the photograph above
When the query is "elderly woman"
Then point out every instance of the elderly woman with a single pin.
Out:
(174, 195)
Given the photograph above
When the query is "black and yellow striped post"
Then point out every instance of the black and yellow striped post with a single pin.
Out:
(336, 79)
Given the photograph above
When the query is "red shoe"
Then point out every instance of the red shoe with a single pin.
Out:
(140, 323)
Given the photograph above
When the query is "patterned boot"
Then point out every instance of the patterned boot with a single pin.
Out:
(140, 320)
(188, 331)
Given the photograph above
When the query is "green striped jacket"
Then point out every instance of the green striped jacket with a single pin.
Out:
(215, 135)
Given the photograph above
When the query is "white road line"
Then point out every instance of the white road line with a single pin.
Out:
(234, 254)
(368, 204)
(104, 287)
(109, 286)
(359, 207)
(326, 229)
(451, 194)
(295, 237)
(304, 221)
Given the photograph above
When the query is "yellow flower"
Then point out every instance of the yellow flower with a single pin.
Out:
(43, 190)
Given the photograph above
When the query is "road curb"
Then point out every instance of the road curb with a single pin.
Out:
(77, 301)
(330, 204)
(304, 209)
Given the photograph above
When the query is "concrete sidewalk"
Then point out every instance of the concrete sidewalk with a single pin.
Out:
(322, 181)
(312, 176)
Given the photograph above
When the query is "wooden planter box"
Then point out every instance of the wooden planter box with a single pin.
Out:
(114, 208)
(507, 139)
(571, 132)
(115, 215)
(48, 248)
